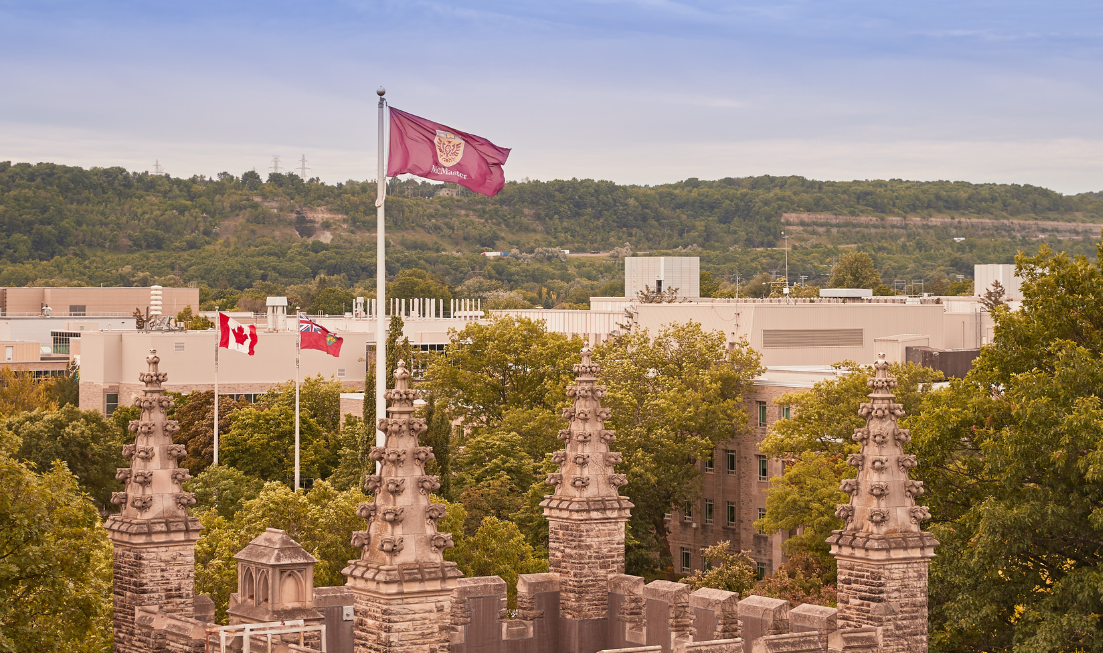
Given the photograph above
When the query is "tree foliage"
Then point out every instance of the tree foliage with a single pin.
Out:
(855, 270)
(497, 548)
(674, 399)
(1011, 454)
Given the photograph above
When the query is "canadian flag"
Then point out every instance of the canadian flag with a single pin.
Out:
(235, 335)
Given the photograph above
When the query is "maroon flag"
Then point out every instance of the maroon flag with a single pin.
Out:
(434, 151)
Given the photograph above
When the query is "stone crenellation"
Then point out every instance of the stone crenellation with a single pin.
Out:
(401, 596)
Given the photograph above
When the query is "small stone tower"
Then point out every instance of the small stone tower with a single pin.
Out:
(882, 552)
(153, 536)
(586, 515)
(402, 583)
(275, 581)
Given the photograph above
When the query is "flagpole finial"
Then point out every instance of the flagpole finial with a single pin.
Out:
(380, 91)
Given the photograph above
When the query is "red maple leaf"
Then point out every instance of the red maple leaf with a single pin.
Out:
(239, 335)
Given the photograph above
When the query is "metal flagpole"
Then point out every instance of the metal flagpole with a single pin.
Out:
(298, 349)
(380, 281)
(217, 341)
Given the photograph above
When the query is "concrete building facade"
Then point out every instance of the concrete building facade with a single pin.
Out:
(662, 274)
(87, 301)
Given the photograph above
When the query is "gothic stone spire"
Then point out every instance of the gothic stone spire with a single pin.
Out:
(882, 552)
(153, 535)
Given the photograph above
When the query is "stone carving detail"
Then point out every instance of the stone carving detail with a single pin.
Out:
(559, 457)
(144, 453)
(392, 514)
(361, 539)
(553, 479)
(580, 481)
(402, 522)
(391, 545)
(180, 475)
(129, 450)
(172, 427)
(122, 474)
(581, 459)
(141, 501)
(618, 480)
(366, 510)
(142, 477)
(176, 451)
(441, 541)
(565, 435)
(607, 436)
(613, 458)
(118, 498)
(882, 497)
(423, 455)
(185, 499)
(581, 437)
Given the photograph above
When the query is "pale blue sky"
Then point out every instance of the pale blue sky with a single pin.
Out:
(637, 92)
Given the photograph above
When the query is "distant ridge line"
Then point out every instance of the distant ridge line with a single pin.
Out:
(1020, 225)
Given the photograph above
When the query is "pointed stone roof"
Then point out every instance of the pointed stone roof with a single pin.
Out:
(401, 544)
(587, 481)
(153, 505)
(274, 547)
(882, 513)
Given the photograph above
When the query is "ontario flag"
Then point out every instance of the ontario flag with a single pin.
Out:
(315, 336)
(235, 335)
(434, 151)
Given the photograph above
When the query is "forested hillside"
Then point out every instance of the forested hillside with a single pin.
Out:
(63, 225)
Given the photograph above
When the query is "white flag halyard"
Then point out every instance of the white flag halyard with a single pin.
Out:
(236, 336)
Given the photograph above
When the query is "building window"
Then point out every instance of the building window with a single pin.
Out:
(112, 403)
(61, 340)
(761, 413)
(760, 570)
(709, 462)
(731, 514)
(179, 346)
(761, 515)
(708, 511)
(9, 353)
(78, 310)
(785, 412)
(687, 512)
(687, 561)
(731, 462)
(340, 372)
(763, 468)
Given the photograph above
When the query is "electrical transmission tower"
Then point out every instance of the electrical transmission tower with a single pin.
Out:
(157, 168)
(303, 168)
(276, 163)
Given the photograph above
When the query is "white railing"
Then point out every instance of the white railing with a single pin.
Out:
(227, 635)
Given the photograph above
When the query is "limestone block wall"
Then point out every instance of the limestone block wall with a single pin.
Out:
(160, 576)
(891, 596)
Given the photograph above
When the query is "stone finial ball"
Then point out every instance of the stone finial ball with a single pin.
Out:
(380, 91)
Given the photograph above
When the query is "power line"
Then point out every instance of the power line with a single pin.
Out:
(303, 168)
(276, 164)
(157, 169)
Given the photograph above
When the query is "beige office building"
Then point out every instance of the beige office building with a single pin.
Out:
(86, 301)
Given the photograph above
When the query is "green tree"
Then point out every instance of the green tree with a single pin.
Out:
(55, 560)
(418, 284)
(1011, 456)
(191, 322)
(222, 488)
(674, 399)
(332, 301)
(710, 287)
(498, 548)
(20, 391)
(320, 520)
(195, 415)
(88, 444)
(724, 570)
(261, 443)
(855, 270)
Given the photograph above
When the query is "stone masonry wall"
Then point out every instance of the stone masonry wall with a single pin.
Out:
(587, 553)
(892, 596)
(401, 624)
(150, 576)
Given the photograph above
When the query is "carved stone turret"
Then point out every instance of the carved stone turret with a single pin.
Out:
(882, 551)
(402, 583)
(586, 514)
(154, 538)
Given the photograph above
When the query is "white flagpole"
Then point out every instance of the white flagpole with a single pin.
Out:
(380, 280)
(298, 349)
(217, 341)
